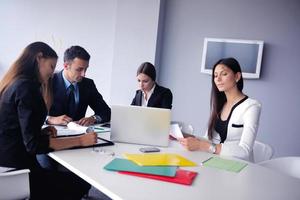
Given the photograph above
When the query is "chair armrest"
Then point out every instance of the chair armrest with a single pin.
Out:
(15, 172)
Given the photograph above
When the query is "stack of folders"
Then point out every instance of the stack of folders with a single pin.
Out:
(157, 166)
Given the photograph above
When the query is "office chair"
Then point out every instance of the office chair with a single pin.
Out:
(262, 152)
(287, 165)
(14, 184)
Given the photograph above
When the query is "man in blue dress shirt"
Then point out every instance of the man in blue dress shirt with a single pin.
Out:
(83, 93)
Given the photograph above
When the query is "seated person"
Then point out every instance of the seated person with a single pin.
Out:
(150, 93)
(234, 116)
(73, 92)
(25, 98)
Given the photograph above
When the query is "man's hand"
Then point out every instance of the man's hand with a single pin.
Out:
(86, 121)
(59, 120)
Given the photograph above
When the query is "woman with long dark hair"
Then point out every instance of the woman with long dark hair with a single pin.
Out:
(25, 99)
(234, 117)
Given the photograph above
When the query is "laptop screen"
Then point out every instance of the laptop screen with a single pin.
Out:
(140, 125)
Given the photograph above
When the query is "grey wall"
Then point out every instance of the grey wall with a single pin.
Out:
(277, 22)
(134, 42)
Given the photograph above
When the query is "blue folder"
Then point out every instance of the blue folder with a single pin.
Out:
(119, 164)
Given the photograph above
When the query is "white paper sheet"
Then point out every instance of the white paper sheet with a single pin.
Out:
(175, 131)
(65, 131)
(76, 127)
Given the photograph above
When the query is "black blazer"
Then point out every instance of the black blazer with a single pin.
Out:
(22, 114)
(161, 98)
(88, 96)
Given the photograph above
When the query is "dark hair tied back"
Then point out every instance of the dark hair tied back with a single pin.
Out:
(148, 69)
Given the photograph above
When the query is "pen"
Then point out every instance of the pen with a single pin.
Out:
(206, 160)
(98, 128)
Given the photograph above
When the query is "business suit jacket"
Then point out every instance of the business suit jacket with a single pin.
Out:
(241, 131)
(88, 96)
(22, 114)
(161, 98)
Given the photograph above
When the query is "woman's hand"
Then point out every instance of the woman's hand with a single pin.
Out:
(194, 144)
(88, 139)
(50, 130)
(186, 135)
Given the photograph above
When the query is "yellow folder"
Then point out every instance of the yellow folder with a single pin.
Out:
(159, 159)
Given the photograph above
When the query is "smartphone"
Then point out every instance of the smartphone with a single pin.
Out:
(149, 149)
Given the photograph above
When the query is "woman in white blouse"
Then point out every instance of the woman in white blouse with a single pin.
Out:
(234, 118)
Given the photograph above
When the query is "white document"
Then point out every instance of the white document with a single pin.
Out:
(76, 127)
(65, 131)
(73, 129)
(175, 131)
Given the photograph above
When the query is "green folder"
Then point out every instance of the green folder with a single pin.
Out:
(119, 164)
(225, 164)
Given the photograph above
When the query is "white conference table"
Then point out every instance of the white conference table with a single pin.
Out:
(253, 182)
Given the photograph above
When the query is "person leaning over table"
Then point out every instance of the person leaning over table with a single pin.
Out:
(72, 80)
(72, 94)
(150, 93)
(25, 98)
(234, 118)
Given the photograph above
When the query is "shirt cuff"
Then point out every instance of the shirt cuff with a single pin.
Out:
(46, 120)
(98, 119)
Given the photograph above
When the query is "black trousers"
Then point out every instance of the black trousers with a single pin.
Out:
(46, 184)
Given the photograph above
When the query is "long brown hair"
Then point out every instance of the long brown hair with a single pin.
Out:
(217, 98)
(26, 66)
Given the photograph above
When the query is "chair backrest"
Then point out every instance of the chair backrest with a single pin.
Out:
(14, 184)
(262, 152)
(287, 165)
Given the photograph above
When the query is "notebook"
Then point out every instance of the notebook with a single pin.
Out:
(140, 125)
(225, 164)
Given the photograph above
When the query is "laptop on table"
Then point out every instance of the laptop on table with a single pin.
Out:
(140, 125)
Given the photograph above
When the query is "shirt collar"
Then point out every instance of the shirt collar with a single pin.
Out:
(150, 92)
(67, 82)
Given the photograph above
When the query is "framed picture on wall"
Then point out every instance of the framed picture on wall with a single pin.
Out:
(247, 52)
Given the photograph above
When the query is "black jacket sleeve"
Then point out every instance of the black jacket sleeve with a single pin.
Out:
(97, 103)
(31, 113)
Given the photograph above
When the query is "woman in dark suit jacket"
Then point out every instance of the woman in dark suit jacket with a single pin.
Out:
(150, 93)
(25, 98)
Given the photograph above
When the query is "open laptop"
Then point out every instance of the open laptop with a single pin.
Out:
(140, 125)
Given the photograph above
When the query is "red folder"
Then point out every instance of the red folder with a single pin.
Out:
(184, 177)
